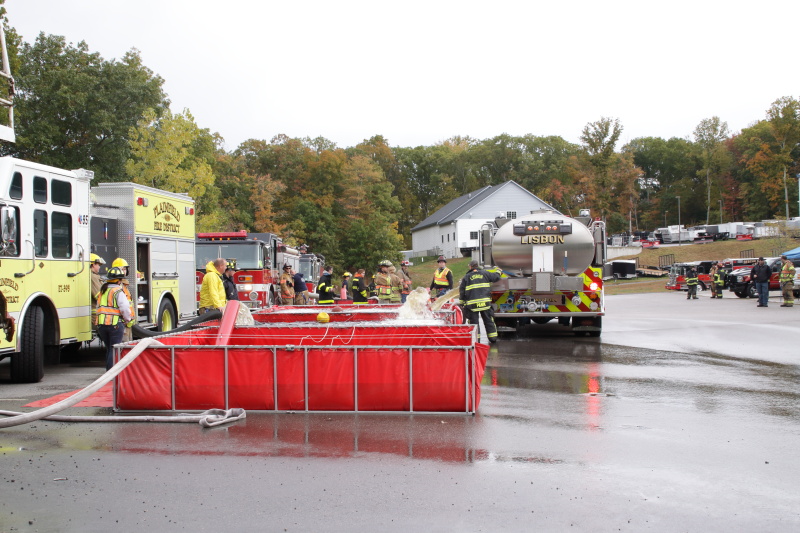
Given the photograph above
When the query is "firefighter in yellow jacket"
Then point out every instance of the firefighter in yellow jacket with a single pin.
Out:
(786, 279)
(97, 284)
(212, 291)
(113, 313)
(383, 282)
(442, 279)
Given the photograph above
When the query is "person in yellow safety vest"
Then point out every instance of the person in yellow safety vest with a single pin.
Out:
(405, 277)
(325, 287)
(212, 291)
(442, 279)
(123, 265)
(97, 283)
(397, 284)
(475, 296)
(383, 282)
(359, 288)
(287, 285)
(113, 313)
(786, 279)
(691, 284)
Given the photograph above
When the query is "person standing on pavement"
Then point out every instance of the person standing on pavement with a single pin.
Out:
(97, 284)
(475, 295)
(383, 282)
(691, 284)
(231, 293)
(760, 275)
(287, 285)
(113, 313)
(359, 288)
(442, 279)
(718, 280)
(212, 291)
(345, 290)
(300, 289)
(787, 281)
(325, 288)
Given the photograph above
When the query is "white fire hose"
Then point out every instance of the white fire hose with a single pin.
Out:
(210, 418)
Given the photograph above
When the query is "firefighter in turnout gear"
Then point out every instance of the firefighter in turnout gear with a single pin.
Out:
(442, 279)
(691, 284)
(113, 313)
(287, 285)
(97, 283)
(359, 288)
(325, 287)
(719, 280)
(123, 266)
(383, 282)
(397, 284)
(475, 295)
(405, 277)
(786, 279)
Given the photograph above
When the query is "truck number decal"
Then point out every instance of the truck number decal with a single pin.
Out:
(64, 288)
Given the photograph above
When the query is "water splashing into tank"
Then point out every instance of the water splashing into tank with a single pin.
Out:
(416, 306)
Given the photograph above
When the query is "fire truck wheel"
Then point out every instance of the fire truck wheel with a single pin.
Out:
(166, 316)
(751, 291)
(701, 286)
(28, 365)
(740, 294)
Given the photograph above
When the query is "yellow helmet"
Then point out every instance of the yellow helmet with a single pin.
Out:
(323, 317)
(94, 258)
(119, 262)
(346, 275)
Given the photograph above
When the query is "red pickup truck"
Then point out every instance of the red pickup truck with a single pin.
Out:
(739, 279)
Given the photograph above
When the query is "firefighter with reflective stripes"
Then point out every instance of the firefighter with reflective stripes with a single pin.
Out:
(97, 283)
(359, 288)
(719, 279)
(691, 284)
(325, 287)
(786, 279)
(475, 295)
(383, 282)
(442, 278)
(113, 313)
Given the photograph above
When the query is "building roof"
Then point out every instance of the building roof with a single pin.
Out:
(463, 204)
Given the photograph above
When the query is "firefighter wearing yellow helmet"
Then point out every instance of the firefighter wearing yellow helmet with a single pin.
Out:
(114, 313)
(344, 292)
(97, 283)
(121, 264)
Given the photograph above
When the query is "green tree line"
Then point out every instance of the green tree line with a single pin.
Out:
(356, 205)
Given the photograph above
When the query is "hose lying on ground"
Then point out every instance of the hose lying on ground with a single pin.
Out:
(210, 418)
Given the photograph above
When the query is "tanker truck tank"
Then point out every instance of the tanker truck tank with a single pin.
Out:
(544, 241)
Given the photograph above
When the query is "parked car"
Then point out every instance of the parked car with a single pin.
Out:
(740, 284)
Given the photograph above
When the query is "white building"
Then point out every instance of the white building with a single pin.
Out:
(452, 231)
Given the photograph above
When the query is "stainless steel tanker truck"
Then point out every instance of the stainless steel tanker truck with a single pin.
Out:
(551, 268)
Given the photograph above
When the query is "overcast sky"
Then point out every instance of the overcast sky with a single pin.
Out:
(419, 72)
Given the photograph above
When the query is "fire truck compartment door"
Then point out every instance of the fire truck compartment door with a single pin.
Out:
(568, 283)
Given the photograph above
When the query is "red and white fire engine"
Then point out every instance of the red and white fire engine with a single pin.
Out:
(257, 260)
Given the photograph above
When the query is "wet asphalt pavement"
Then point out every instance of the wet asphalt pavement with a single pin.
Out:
(683, 416)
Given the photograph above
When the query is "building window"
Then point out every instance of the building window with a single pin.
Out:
(511, 214)
(448, 237)
(473, 235)
(442, 239)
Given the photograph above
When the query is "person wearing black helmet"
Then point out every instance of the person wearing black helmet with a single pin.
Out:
(475, 297)
(442, 278)
(691, 284)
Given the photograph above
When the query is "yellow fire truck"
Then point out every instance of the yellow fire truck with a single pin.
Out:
(46, 216)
